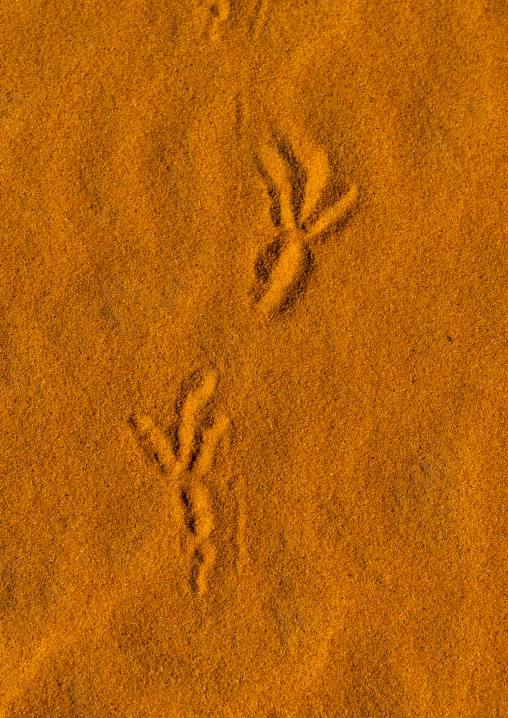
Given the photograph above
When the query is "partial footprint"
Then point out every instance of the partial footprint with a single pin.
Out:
(204, 558)
(296, 176)
(199, 523)
(258, 19)
(214, 13)
(198, 512)
(191, 415)
(154, 442)
(278, 287)
(210, 438)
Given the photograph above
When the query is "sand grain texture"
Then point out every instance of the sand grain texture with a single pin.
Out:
(253, 397)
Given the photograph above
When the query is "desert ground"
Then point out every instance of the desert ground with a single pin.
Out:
(253, 355)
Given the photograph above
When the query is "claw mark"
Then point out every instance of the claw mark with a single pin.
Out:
(295, 187)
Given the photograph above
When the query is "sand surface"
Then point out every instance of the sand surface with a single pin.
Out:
(253, 355)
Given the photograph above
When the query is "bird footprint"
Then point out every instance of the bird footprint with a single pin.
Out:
(214, 13)
(186, 457)
(296, 188)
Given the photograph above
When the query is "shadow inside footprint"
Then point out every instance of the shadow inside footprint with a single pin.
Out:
(270, 298)
(264, 266)
(298, 288)
(297, 174)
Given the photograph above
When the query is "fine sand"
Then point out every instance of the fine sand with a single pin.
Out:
(253, 355)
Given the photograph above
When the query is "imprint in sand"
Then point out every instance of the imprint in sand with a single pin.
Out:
(216, 12)
(186, 459)
(296, 188)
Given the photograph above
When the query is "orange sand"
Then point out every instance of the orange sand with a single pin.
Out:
(253, 358)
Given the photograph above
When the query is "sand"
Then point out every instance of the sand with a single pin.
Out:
(253, 395)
